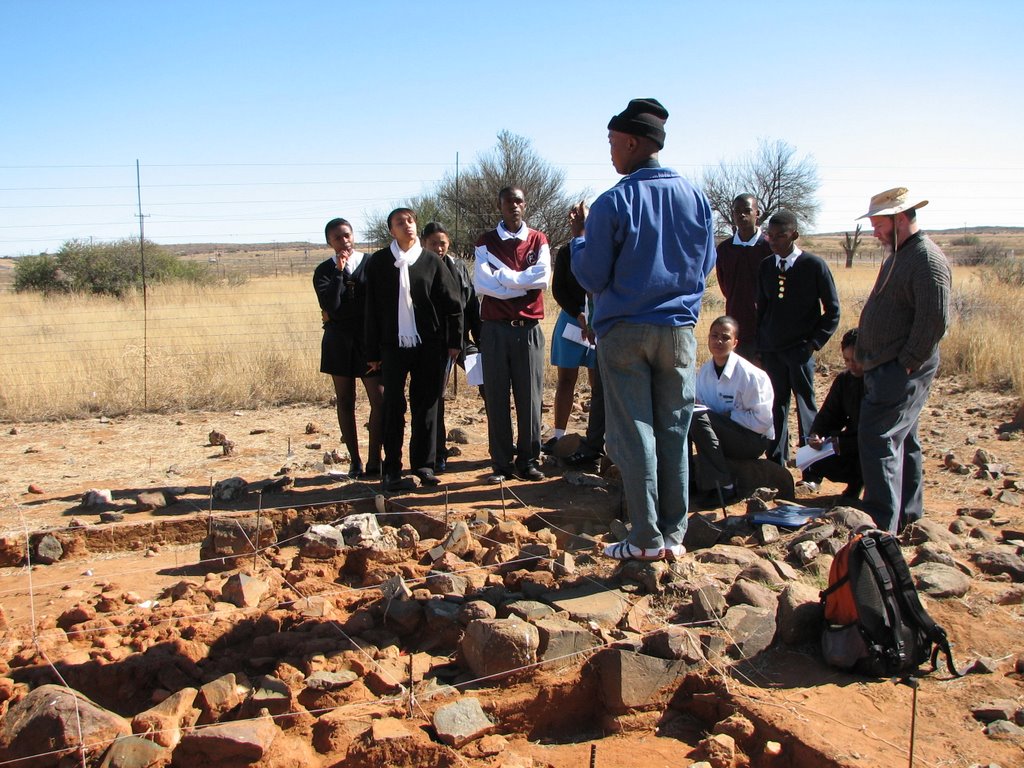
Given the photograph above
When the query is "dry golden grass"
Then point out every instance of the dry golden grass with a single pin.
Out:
(220, 347)
(258, 343)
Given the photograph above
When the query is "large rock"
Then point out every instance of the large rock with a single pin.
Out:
(495, 646)
(53, 721)
(590, 602)
(461, 722)
(848, 517)
(744, 592)
(937, 580)
(321, 542)
(708, 604)
(232, 537)
(48, 550)
(360, 530)
(727, 554)
(674, 642)
(750, 629)
(244, 591)
(218, 697)
(924, 530)
(799, 615)
(762, 473)
(135, 752)
(562, 641)
(995, 562)
(245, 741)
(163, 723)
(636, 681)
(701, 532)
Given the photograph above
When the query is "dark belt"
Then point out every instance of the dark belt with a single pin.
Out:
(515, 323)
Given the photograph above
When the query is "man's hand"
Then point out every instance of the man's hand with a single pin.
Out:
(373, 365)
(324, 316)
(453, 353)
(577, 218)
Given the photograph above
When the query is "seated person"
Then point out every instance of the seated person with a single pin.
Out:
(836, 423)
(733, 416)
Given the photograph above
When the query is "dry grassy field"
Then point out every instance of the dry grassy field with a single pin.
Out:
(253, 338)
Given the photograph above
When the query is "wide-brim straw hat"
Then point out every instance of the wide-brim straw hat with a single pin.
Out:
(891, 202)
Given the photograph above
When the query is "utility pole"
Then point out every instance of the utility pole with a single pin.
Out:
(145, 312)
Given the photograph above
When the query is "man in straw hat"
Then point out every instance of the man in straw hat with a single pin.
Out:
(902, 322)
(645, 253)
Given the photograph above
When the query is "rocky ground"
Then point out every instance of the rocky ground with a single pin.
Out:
(468, 625)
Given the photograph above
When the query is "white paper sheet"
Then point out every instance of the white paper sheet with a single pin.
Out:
(575, 334)
(474, 370)
(805, 455)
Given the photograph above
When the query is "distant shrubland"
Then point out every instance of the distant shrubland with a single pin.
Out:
(106, 268)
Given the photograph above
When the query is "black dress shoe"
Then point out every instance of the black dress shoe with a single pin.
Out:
(500, 476)
(372, 470)
(427, 476)
(529, 472)
(397, 483)
(581, 457)
(441, 465)
(355, 470)
(547, 448)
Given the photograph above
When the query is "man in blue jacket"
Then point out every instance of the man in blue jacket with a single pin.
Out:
(645, 251)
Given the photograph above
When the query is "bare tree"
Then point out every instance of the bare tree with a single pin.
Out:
(468, 204)
(774, 175)
(850, 245)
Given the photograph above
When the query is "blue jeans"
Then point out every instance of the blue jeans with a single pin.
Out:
(890, 453)
(649, 380)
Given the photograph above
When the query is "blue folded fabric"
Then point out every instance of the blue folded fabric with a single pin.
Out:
(788, 516)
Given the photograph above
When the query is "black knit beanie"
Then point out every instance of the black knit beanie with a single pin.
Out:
(642, 117)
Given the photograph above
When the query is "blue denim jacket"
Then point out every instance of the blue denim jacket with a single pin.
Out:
(647, 250)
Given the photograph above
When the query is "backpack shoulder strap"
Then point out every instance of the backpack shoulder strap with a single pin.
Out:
(897, 652)
(890, 548)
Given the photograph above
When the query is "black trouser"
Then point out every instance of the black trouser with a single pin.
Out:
(718, 438)
(423, 365)
(513, 359)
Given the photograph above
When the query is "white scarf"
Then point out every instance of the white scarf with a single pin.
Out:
(408, 336)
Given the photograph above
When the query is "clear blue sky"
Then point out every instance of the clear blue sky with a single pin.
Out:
(258, 121)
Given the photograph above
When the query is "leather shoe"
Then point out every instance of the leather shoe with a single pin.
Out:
(427, 476)
(529, 472)
(548, 447)
(372, 470)
(500, 475)
(397, 483)
(581, 457)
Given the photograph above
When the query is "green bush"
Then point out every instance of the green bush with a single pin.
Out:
(111, 268)
(39, 273)
(1005, 268)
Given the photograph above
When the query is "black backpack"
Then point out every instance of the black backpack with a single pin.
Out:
(875, 623)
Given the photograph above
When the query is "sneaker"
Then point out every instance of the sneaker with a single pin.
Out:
(427, 476)
(674, 552)
(529, 472)
(623, 550)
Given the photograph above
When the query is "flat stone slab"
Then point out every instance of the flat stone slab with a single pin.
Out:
(461, 722)
(590, 602)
